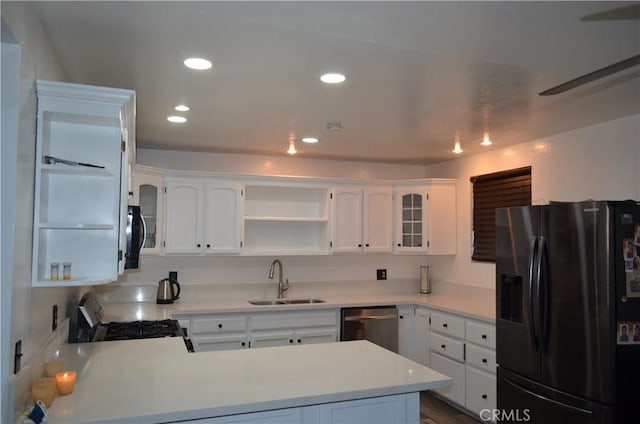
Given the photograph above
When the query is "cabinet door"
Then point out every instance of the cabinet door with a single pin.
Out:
(410, 229)
(421, 336)
(378, 218)
(455, 370)
(384, 409)
(405, 331)
(347, 220)
(148, 194)
(481, 390)
(183, 199)
(223, 218)
(442, 221)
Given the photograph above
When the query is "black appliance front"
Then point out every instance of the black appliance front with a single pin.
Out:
(136, 233)
(524, 400)
(556, 301)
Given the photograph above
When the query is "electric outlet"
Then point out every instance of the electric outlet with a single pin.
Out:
(381, 274)
(173, 275)
(54, 318)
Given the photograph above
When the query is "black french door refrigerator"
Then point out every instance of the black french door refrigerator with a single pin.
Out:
(568, 313)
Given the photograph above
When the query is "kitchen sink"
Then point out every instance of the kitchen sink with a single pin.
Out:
(285, 302)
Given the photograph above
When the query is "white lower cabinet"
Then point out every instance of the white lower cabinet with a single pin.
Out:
(404, 408)
(405, 331)
(288, 328)
(453, 369)
(263, 329)
(421, 336)
(464, 349)
(217, 331)
(481, 390)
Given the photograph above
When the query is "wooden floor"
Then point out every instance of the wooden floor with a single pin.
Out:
(436, 411)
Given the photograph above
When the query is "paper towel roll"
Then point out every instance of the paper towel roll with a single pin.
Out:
(425, 283)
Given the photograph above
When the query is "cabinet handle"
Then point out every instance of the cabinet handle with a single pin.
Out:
(484, 336)
(443, 346)
(484, 396)
(399, 245)
(243, 344)
(359, 244)
(444, 325)
(401, 317)
(366, 245)
(219, 325)
(299, 341)
(484, 360)
(198, 245)
(208, 246)
(290, 340)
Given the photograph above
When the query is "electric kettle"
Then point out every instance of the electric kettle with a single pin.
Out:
(167, 291)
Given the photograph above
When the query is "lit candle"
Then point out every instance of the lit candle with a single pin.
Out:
(52, 368)
(65, 381)
(44, 389)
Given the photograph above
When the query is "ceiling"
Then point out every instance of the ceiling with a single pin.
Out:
(420, 75)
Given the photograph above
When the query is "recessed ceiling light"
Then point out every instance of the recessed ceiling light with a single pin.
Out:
(332, 78)
(177, 119)
(486, 141)
(310, 140)
(197, 63)
(182, 108)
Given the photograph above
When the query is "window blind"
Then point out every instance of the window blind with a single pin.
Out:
(490, 191)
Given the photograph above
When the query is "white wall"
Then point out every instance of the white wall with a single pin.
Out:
(598, 162)
(268, 165)
(31, 308)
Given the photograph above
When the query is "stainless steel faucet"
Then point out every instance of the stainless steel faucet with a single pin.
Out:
(282, 286)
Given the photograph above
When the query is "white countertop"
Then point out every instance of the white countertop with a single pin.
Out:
(157, 380)
(472, 302)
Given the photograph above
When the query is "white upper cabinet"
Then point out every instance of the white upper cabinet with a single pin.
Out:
(148, 193)
(362, 220)
(425, 217)
(202, 217)
(85, 137)
(223, 212)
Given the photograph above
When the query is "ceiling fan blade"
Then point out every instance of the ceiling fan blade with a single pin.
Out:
(592, 76)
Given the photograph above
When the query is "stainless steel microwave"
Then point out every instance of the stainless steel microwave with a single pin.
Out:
(136, 235)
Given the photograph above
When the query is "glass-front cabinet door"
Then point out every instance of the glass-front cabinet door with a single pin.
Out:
(410, 225)
(148, 194)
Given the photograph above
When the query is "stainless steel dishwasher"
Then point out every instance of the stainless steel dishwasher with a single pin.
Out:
(378, 324)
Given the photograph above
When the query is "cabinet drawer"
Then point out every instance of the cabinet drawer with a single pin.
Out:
(453, 369)
(481, 334)
(224, 342)
(218, 324)
(482, 358)
(481, 391)
(267, 321)
(447, 346)
(447, 324)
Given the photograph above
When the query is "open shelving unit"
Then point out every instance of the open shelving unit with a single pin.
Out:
(286, 220)
(78, 208)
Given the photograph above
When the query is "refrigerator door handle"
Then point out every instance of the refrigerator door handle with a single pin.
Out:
(532, 310)
(541, 292)
(546, 399)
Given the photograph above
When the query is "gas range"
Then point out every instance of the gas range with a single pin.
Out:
(137, 330)
(90, 328)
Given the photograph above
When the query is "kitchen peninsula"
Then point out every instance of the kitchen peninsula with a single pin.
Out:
(161, 382)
